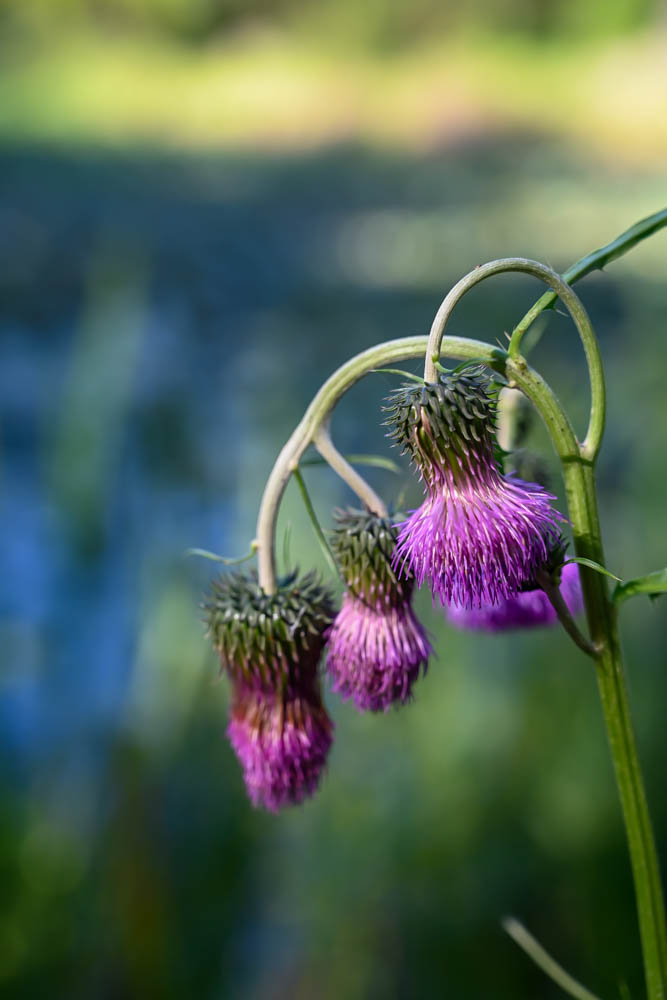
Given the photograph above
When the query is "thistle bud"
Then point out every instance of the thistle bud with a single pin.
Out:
(377, 647)
(270, 645)
(479, 535)
(268, 641)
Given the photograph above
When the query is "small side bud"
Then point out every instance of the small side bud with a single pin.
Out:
(268, 640)
(377, 647)
(270, 645)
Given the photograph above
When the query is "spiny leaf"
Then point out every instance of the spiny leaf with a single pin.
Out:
(651, 584)
(592, 565)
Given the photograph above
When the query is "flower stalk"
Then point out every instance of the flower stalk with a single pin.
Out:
(578, 463)
(328, 451)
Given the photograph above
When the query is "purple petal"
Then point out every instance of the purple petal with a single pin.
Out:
(376, 653)
(529, 609)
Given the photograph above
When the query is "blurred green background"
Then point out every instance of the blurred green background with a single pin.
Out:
(204, 208)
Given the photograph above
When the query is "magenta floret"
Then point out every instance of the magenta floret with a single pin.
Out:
(529, 609)
(282, 743)
(376, 653)
(477, 543)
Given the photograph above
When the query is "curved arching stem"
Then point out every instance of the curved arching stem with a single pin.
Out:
(591, 444)
(328, 451)
(318, 414)
(596, 261)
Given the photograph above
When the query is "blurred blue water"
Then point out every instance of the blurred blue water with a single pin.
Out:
(164, 320)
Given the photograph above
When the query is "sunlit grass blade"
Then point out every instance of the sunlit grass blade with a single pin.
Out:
(543, 959)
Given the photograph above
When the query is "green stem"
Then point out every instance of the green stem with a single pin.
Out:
(318, 413)
(579, 479)
(557, 602)
(327, 449)
(595, 261)
(593, 439)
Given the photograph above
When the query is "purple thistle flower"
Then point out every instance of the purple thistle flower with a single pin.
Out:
(376, 645)
(375, 653)
(282, 743)
(270, 645)
(529, 609)
(479, 536)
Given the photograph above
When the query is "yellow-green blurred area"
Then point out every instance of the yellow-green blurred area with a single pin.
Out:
(386, 73)
(204, 208)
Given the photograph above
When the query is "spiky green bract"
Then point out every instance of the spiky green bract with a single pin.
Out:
(436, 423)
(270, 641)
(553, 564)
(363, 544)
(377, 647)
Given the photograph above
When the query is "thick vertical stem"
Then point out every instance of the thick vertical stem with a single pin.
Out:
(602, 621)
(579, 478)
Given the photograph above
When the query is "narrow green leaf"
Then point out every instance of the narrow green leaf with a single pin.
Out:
(287, 538)
(596, 260)
(652, 584)
(317, 527)
(592, 565)
(376, 461)
(544, 961)
(205, 554)
(396, 371)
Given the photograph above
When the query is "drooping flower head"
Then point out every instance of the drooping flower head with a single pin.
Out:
(270, 645)
(282, 742)
(529, 609)
(376, 645)
(479, 535)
